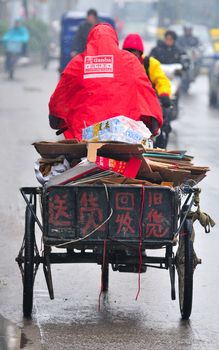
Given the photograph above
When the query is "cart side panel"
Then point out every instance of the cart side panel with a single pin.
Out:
(126, 205)
(92, 209)
(160, 214)
(59, 214)
(74, 212)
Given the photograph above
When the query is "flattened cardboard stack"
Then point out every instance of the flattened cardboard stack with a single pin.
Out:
(150, 167)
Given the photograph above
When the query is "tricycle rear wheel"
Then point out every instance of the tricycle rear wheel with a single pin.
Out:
(28, 278)
(184, 263)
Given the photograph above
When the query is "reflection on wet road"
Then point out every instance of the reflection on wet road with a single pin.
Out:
(72, 320)
(9, 335)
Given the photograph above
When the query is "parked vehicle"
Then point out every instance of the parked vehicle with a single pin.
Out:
(69, 26)
(214, 82)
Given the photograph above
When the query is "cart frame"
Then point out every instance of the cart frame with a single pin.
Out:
(124, 254)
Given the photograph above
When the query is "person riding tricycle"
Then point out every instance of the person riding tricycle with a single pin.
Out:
(101, 83)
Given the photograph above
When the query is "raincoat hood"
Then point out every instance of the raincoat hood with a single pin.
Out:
(133, 41)
(104, 35)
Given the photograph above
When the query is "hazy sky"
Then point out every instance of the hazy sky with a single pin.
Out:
(100, 5)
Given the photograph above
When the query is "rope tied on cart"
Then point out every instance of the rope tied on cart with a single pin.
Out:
(93, 231)
(103, 267)
(204, 219)
(140, 243)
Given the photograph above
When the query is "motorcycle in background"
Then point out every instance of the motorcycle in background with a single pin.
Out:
(191, 61)
(174, 72)
(195, 56)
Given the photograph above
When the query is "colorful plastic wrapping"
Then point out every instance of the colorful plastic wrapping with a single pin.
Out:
(120, 129)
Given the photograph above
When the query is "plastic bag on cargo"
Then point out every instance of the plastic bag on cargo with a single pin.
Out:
(120, 129)
(45, 169)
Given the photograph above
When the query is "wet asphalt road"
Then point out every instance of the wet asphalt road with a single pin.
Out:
(72, 320)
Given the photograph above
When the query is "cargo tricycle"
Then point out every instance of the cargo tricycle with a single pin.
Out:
(107, 225)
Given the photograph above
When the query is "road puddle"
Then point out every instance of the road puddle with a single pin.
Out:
(9, 335)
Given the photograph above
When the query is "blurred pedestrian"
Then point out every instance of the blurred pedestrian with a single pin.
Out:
(101, 83)
(17, 34)
(134, 43)
(15, 41)
(84, 29)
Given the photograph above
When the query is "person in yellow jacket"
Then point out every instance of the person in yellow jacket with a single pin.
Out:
(162, 85)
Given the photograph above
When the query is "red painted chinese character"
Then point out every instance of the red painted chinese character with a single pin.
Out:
(88, 200)
(155, 216)
(124, 221)
(125, 201)
(155, 198)
(58, 211)
(155, 227)
(91, 215)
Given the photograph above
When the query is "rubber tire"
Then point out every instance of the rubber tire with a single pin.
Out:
(161, 141)
(175, 111)
(213, 99)
(11, 73)
(28, 280)
(186, 283)
(105, 277)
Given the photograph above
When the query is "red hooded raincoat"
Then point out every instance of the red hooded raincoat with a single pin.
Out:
(101, 83)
